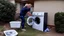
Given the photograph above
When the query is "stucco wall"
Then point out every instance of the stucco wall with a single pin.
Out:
(17, 5)
(51, 7)
(18, 8)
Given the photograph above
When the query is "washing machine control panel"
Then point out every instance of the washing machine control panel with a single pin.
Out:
(38, 13)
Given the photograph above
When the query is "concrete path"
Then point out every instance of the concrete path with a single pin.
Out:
(51, 33)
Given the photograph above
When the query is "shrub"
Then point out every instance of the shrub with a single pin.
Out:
(59, 22)
(7, 11)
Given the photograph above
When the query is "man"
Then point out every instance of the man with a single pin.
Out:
(25, 10)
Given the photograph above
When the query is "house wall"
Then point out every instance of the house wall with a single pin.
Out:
(51, 7)
(12, 1)
(17, 5)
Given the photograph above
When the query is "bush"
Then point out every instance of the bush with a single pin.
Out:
(7, 11)
(59, 22)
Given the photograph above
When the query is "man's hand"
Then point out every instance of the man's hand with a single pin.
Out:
(29, 13)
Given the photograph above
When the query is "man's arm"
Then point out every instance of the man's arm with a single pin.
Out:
(29, 13)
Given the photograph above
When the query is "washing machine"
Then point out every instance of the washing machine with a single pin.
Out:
(38, 21)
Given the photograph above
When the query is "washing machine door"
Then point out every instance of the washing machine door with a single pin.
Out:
(37, 20)
(30, 20)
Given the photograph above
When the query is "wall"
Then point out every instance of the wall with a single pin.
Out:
(51, 7)
(17, 5)
(12, 1)
(18, 8)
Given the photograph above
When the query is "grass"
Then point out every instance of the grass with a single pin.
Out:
(29, 32)
(1, 28)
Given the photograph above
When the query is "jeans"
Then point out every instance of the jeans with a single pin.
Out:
(23, 21)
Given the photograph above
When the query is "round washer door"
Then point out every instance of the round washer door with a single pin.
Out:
(30, 20)
(37, 20)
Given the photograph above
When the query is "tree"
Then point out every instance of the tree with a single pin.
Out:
(7, 11)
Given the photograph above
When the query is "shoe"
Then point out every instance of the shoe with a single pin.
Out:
(23, 29)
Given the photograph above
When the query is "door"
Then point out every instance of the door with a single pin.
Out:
(32, 20)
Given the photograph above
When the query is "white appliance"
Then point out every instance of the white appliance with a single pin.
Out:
(10, 33)
(38, 21)
(15, 24)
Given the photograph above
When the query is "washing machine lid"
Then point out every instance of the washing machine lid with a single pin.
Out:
(38, 13)
(10, 32)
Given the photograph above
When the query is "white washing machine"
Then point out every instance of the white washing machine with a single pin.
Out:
(38, 21)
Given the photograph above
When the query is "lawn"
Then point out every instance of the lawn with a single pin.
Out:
(1, 28)
(29, 31)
